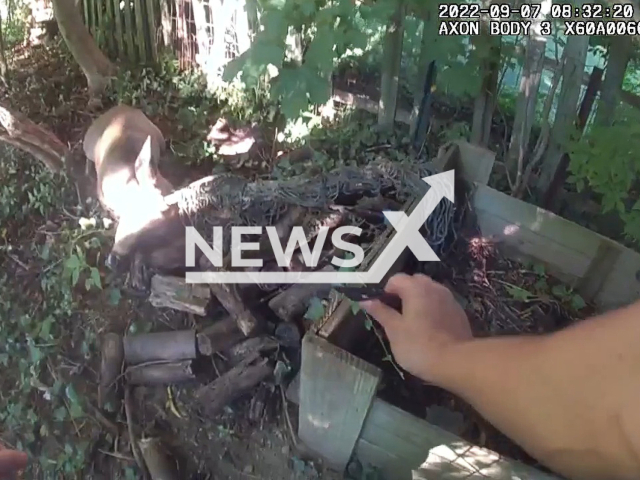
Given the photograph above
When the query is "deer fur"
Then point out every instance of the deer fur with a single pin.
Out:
(126, 148)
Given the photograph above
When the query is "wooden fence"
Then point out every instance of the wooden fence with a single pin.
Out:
(139, 31)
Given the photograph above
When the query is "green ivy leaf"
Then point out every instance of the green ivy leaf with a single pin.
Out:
(518, 293)
(368, 324)
(60, 414)
(539, 269)
(114, 296)
(560, 291)
(577, 302)
(355, 307)
(71, 394)
(95, 277)
(320, 54)
(315, 312)
(45, 328)
(73, 262)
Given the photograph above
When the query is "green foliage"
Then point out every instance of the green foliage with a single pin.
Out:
(543, 289)
(15, 26)
(329, 30)
(166, 92)
(47, 336)
(606, 161)
(315, 312)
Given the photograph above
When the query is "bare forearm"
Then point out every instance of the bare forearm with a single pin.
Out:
(561, 397)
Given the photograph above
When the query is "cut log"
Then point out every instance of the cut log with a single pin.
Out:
(174, 292)
(160, 374)
(156, 460)
(256, 345)
(110, 369)
(249, 321)
(241, 379)
(220, 336)
(294, 301)
(160, 346)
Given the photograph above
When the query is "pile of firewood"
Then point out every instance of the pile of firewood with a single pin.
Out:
(250, 329)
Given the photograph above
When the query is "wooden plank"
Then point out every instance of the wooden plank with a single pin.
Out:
(600, 269)
(474, 163)
(153, 30)
(109, 22)
(117, 15)
(565, 248)
(336, 390)
(601, 266)
(174, 292)
(335, 327)
(128, 31)
(87, 14)
(101, 32)
(141, 39)
(399, 443)
(621, 287)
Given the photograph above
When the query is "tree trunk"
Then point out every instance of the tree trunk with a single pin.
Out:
(543, 139)
(391, 68)
(485, 102)
(427, 49)
(22, 133)
(167, 24)
(94, 64)
(527, 99)
(619, 54)
(4, 68)
(564, 123)
(588, 100)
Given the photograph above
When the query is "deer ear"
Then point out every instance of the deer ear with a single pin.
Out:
(145, 169)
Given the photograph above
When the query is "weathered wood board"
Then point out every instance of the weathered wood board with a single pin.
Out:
(399, 443)
(343, 325)
(473, 163)
(176, 293)
(336, 390)
(601, 270)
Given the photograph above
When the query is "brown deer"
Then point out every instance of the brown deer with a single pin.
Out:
(126, 148)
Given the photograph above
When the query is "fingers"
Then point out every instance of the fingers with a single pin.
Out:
(12, 461)
(383, 314)
(408, 287)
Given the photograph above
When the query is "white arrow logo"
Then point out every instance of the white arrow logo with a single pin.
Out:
(407, 235)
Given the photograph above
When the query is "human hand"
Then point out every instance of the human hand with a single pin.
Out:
(11, 462)
(431, 322)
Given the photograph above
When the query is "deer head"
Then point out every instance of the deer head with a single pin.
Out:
(146, 222)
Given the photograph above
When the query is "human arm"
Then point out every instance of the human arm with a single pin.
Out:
(571, 399)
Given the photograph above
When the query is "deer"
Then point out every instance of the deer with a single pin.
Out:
(126, 148)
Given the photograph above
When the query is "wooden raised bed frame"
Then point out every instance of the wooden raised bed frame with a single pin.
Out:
(339, 414)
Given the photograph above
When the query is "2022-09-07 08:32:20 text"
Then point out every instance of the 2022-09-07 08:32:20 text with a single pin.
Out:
(503, 19)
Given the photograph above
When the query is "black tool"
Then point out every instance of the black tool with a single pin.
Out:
(360, 294)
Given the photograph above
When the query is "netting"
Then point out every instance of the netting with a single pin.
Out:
(263, 202)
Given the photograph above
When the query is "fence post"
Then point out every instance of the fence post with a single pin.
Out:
(392, 57)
